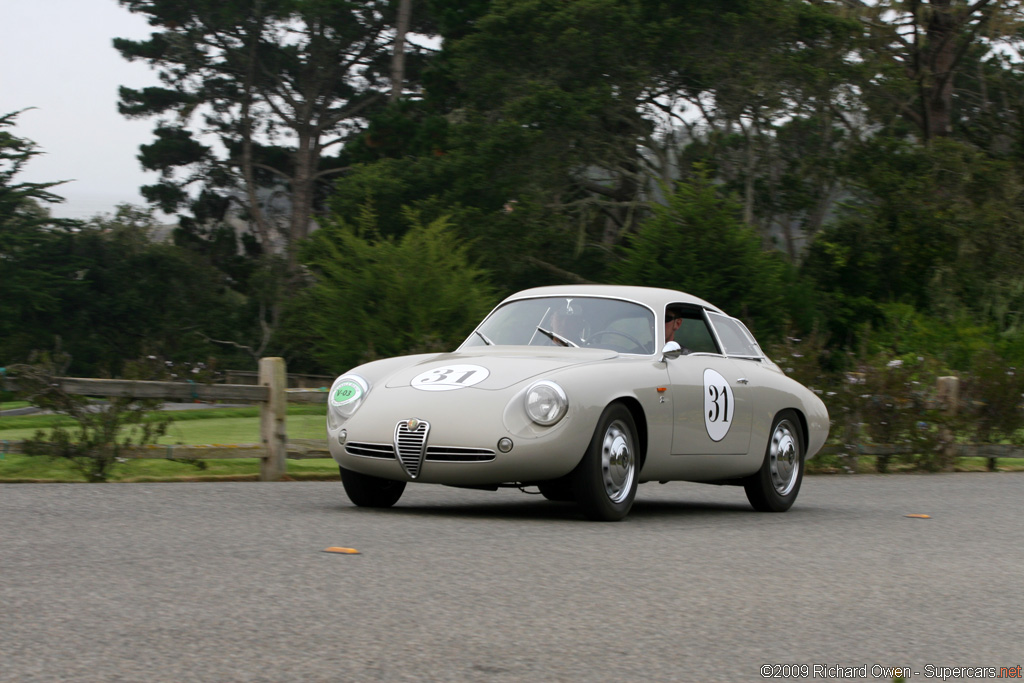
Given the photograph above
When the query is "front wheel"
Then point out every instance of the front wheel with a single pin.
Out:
(557, 490)
(775, 486)
(370, 492)
(605, 481)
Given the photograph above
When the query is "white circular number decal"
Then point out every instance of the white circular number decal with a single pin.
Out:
(719, 405)
(450, 377)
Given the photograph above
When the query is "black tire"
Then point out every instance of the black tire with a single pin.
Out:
(775, 486)
(605, 481)
(557, 490)
(370, 492)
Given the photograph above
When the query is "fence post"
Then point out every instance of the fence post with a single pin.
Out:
(273, 412)
(949, 396)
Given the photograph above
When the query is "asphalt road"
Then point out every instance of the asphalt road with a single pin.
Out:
(228, 582)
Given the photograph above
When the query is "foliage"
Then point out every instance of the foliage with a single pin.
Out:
(553, 131)
(33, 280)
(879, 396)
(992, 398)
(119, 295)
(376, 296)
(899, 408)
(940, 228)
(102, 432)
(697, 243)
(276, 84)
(915, 55)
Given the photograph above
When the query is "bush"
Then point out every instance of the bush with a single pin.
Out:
(698, 243)
(376, 296)
(103, 431)
(992, 400)
(879, 398)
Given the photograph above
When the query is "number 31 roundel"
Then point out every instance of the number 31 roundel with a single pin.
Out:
(718, 405)
(450, 377)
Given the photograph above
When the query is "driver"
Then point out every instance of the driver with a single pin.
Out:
(569, 323)
(673, 321)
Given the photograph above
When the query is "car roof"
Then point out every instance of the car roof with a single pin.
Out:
(655, 297)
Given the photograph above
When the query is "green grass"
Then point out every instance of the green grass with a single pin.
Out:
(223, 426)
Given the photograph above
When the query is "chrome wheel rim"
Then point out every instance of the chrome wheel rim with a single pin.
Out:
(617, 461)
(784, 458)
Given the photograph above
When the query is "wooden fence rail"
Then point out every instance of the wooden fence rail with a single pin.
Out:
(271, 393)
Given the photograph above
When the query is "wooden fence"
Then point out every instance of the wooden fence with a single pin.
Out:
(294, 380)
(270, 392)
(947, 399)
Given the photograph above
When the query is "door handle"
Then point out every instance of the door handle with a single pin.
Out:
(743, 380)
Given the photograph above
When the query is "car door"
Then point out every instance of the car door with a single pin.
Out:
(711, 400)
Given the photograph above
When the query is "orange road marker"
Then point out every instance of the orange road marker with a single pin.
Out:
(919, 516)
(342, 551)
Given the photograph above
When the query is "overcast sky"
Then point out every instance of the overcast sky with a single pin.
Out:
(56, 55)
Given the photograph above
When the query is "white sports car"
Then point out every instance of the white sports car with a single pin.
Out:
(584, 392)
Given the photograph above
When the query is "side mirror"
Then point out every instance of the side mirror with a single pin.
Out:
(671, 351)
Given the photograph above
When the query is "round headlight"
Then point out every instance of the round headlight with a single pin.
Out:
(346, 396)
(546, 403)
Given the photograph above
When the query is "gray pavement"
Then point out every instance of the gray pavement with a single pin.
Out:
(228, 582)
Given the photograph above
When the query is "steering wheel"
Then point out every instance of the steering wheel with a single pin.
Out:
(637, 344)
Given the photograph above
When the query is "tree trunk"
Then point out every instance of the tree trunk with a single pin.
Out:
(398, 54)
(303, 182)
(937, 79)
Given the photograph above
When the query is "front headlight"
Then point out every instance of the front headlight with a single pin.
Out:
(347, 394)
(546, 403)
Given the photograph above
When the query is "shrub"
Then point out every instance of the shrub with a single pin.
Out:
(879, 398)
(102, 431)
(377, 296)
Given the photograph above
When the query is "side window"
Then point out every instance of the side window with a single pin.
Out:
(693, 334)
(735, 336)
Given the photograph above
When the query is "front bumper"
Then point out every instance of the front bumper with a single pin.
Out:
(459, 444)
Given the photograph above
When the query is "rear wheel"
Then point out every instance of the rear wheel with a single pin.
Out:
(775, 486)
(605, 481)
(371, 492)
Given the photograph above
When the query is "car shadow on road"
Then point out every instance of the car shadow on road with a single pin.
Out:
(548, 511)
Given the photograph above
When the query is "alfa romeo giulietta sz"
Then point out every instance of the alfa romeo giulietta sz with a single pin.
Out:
(584, 392)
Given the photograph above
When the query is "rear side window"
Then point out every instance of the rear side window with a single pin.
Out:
(735, 337)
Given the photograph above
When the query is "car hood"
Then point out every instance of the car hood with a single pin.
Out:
(501, 366)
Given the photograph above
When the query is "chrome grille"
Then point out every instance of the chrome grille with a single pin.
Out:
(410, 439)
(371, 450)
(458, 454)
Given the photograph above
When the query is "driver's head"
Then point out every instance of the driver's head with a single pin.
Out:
(673, 321)
(569, 322)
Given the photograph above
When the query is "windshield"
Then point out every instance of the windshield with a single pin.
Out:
(562, 321)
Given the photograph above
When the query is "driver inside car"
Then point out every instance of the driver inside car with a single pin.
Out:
(569, 324)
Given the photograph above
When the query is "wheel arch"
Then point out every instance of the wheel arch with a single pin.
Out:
(804, 429)
(640, 420)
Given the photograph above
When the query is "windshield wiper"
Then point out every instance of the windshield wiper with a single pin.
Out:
(482, 336)
(557, 338)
